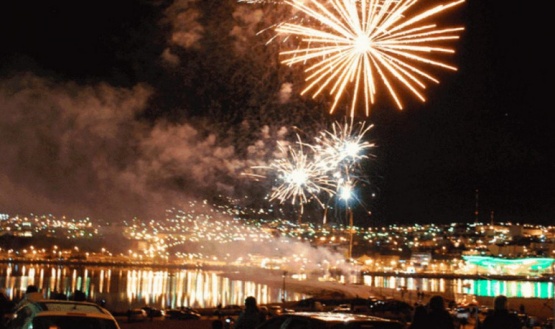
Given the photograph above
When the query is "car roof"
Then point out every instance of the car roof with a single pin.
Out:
(73, 314)
(328, 320)
(61, 313)
(64, 305)
(338, 317)
(50, 307)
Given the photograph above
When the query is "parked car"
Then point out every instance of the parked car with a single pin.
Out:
(483, 309)
(183, 314)
(230, 310)
(61, 314)
(391, 309)
(263, 309)
(328, 320)
(136, 315)
(343, 308)
(547, 324)
(356, 305)
(154, 313)
(462, 313)
(275, 310)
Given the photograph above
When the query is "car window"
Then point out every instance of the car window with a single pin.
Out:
(70, 307)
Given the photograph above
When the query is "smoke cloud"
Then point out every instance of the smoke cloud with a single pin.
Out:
(80, 150)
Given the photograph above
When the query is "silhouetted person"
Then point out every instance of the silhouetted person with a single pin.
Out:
(6, 305)
(438, 317)
(251, 316)
(58, 296)
(420, 317)
(500, 317)
(79, 296)
(219, 311)
(217, 324)
(32, 294)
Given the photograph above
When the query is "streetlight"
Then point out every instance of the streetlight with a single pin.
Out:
(351, 233)
(283, 288)
(346, 193)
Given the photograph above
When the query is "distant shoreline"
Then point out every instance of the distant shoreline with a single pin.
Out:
(231, 268)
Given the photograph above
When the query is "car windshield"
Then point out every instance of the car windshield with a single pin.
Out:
(72, 322)
(69, 307)
(303, 322)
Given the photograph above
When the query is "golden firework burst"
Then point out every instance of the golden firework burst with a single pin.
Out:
(357, 44)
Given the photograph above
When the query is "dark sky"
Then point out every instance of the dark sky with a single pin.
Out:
(118, 108)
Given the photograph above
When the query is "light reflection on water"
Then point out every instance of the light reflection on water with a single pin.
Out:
(481, 287)
(123, 288)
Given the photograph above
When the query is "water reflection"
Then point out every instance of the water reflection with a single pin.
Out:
(122, 288)
(482, 287)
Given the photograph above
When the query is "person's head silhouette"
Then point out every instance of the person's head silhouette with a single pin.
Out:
(500, 303)
(31, 288)
(437, 303)
(250, 303)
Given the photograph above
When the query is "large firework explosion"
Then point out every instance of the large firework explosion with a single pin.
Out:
(351, 47)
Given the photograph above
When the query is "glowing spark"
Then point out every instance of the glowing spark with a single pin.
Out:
(346, 191)
(328, 168)
(343, 145)
(299, 178)
(340, 151)
(360, 41)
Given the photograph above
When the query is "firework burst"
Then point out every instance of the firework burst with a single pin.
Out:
(298, 177)
(343, 146)
(354, 44)
(306, 172)
(340, 151)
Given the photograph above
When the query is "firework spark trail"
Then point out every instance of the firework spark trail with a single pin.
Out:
(343, 145)
(326, 169)
(300, 177)
(356, 42)
(339, 151)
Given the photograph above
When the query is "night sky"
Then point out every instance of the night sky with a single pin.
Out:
(115, 109)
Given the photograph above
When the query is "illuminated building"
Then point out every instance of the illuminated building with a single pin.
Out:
(508, 266)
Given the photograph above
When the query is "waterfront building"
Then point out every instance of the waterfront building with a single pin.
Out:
(527, 266)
